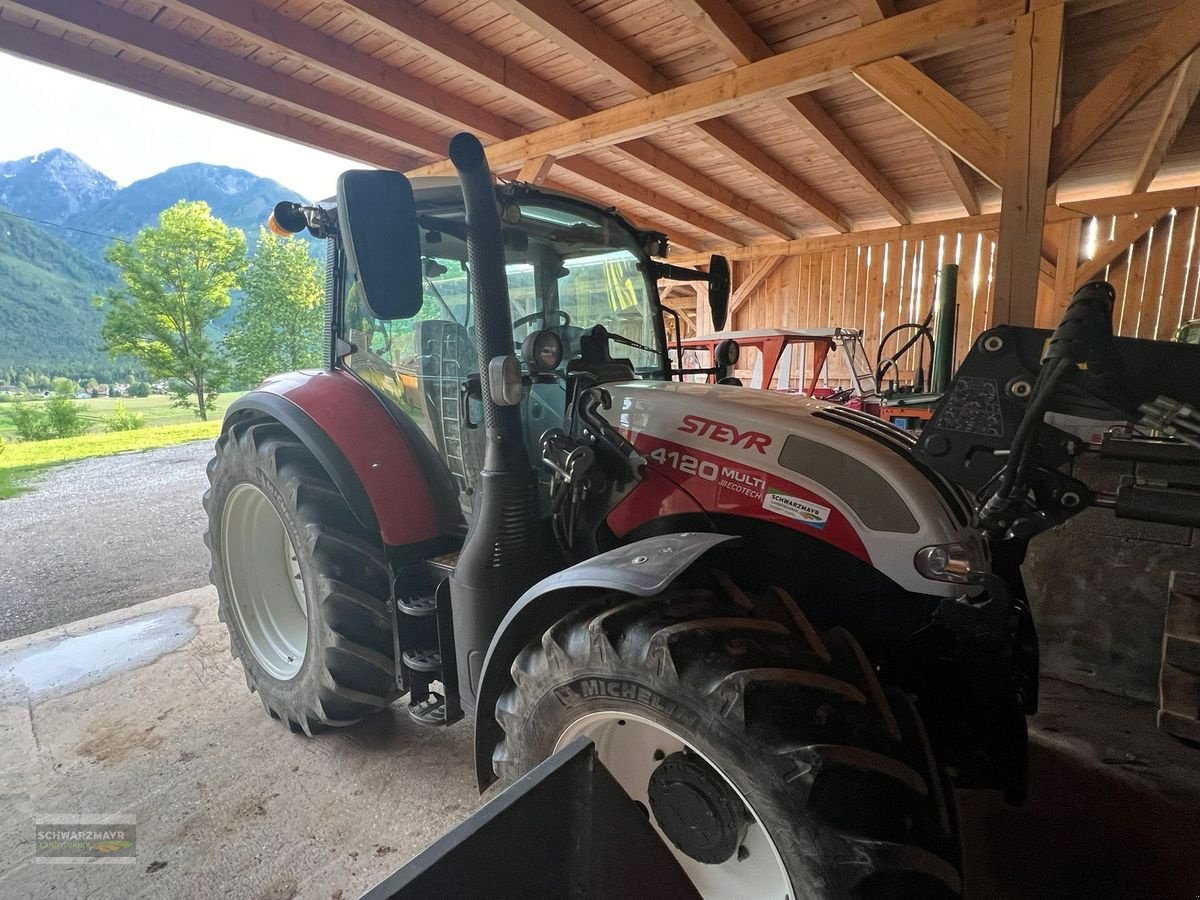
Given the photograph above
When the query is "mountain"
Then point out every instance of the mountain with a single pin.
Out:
(47, 321)
(54, 186)
(51, 269)
(237, 197)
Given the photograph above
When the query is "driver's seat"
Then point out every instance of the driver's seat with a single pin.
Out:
(594, 358)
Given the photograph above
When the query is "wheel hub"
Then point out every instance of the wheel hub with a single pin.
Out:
(696, 809)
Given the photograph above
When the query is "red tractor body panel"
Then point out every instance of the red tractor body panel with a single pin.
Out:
(373, 445)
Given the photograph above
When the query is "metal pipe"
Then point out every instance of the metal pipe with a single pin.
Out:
(944, 316)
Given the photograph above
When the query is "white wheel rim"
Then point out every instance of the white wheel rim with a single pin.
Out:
(627, 743)
(265, 584)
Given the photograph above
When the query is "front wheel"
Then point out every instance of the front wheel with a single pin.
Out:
(301, 584)
(766, 755)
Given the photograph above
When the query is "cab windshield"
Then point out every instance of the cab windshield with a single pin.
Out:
(570, 267)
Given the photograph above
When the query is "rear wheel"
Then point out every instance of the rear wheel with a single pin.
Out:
(766, 755)
(301, 584)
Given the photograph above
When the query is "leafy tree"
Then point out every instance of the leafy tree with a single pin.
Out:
(176, 279)
(123, 420)
(29, 422)
(63, 417)
(139, 389)
(64, 387)
(279, 323)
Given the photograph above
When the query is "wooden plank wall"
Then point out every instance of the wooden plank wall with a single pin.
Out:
(878, 286)
(1155, 277)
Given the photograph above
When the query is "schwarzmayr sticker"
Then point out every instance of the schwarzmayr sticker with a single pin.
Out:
(811, 514)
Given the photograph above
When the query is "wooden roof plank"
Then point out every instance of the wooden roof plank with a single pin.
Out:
(281, 33)
(1185, 88)
(1172, 41)
(160, 43)
(454, 48)
(584, 39)
(159, 85)
(718, 20)
(941, 24)
(938, 113)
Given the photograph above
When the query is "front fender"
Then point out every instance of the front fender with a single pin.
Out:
(382, 464)
(643, 568)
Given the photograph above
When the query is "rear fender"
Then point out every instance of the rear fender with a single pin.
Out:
(642, 569)
(383, 466)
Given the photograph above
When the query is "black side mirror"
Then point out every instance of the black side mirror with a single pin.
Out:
(377, 218)
(718, 290)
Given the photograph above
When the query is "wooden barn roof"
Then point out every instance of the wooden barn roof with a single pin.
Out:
(726, 123)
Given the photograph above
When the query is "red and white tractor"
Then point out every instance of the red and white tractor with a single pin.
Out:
(787, 627)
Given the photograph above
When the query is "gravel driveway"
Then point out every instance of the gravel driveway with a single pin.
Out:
(101, 534)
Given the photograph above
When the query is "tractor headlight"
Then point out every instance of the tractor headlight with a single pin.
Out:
(950, 562)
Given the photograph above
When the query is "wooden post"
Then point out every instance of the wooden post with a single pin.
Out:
(1037, 60)
(1054, 304)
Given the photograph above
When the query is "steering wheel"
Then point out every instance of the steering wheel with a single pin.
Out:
(840, 396)
(542, 314)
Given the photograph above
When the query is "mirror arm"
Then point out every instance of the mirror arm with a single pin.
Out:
(678, 273)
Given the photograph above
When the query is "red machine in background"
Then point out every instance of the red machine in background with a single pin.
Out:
(822, 363)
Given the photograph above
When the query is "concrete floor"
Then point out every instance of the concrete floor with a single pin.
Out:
(142, 711)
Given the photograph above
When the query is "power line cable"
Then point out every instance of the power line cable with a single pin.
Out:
(107, 237)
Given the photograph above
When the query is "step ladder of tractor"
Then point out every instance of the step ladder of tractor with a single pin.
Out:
(449, 381)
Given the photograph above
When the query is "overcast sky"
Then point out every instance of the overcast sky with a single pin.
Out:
(128, 137)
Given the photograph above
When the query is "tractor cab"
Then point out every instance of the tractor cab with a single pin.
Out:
(571, 268)
(821, 363)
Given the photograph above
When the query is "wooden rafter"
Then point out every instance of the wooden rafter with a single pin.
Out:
(461, 55)
(869, 11)
(286, 35)
(258, 24)
(619, 184)
(1033, 105)
(940, 114)
(942, 24)
(1172, 41)
(166, 47)
(44, 48)
(575, 33)
(722, 24)
(753, 279)
(535, 170)
(1185, 87)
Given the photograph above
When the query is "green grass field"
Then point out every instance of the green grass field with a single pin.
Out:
(157, 410)
(19, 460)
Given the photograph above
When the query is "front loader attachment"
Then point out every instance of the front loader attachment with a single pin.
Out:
(566, 829)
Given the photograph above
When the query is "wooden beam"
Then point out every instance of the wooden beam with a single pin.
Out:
(726, 27)
(1049, 314)
(1033, 104)
(535, 170)
(869, 11)
(258, 24)
(1118, 205)
(942, 24)
(69, 57)
(578, 35)
(959, 175)
(938, 113)
(1169, 44)
(164, 46)
(753, 158)
(1129, 230)
(756, 276)
(461, 55)
(618, 184)
(1185, 88)
(684, 176)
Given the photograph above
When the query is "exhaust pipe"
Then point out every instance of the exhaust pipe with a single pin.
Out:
(500, 558)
